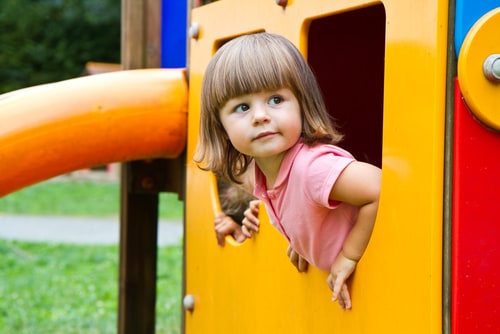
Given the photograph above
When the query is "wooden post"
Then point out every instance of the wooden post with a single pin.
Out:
(139, 185)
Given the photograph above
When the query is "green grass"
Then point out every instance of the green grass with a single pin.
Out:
(79, 198)
(56, 289)
(66, 289)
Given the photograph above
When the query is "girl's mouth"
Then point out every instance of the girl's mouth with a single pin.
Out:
(264, 135)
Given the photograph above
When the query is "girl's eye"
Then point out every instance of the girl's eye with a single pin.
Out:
(241, 107)
(275, 100)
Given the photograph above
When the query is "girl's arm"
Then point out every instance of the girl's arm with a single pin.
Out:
(359, 184)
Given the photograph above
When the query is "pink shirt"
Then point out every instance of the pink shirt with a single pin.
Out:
(299, 205)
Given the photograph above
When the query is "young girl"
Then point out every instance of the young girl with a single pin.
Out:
(262, 112)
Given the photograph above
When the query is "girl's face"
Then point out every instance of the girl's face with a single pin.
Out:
(263, 125)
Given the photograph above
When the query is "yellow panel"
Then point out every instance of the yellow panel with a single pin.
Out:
(397, 287)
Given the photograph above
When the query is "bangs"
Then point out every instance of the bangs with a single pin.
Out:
(235, 73)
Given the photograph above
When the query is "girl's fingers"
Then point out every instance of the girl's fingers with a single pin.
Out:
(340, 292)
(251, 222)
(254, 206)
(245, 231)
(345, 297)
(298, 261)
(303, 264)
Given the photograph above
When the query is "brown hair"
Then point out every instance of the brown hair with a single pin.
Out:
(250, 64)
(233, 200)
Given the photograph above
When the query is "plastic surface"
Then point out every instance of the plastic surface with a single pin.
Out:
(476, 228)
(57, 128)
(174, 33)
(253, 288)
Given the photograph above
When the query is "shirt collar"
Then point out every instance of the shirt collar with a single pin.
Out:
(285, 167)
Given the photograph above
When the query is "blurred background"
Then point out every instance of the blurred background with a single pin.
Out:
(59, 238)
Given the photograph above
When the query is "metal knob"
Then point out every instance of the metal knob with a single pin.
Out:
(194, 30)
(188, 303)
(491, 68)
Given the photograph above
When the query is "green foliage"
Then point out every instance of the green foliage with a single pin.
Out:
(51, 40)
(66, 289)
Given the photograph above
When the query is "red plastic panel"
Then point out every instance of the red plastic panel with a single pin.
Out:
(476, 225)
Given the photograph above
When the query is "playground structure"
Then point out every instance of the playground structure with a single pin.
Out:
(106, 120)
(406, 80)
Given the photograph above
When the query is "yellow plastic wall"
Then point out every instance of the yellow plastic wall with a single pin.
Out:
(253, 288)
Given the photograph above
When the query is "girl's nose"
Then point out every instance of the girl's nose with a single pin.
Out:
(260, 115)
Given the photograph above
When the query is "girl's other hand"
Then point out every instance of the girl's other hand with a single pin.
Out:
(341, 270)
(225, 225)
(298, 261)
(251, 221)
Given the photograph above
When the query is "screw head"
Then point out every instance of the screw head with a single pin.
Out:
(188, 303)
(491, 68)
(194, 30)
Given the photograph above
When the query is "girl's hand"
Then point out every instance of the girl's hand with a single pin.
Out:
(341, 270)
(225, 225)
(251, 221)
(298, 261)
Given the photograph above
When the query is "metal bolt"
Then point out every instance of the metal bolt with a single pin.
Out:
(491, 68)
(282, 3)
(188, 303)
(194, 30)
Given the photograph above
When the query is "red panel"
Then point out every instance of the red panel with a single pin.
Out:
(476, 222)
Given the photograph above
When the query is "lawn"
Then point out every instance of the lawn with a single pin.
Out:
(67, 289)
(79, 198)
(55, 288)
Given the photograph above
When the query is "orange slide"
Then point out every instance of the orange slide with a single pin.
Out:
(57, 128)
